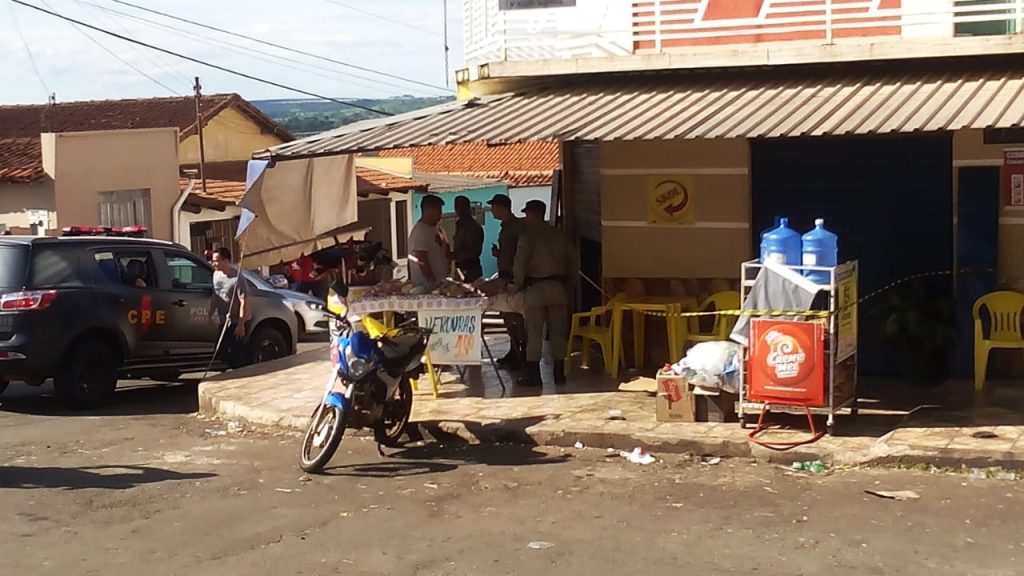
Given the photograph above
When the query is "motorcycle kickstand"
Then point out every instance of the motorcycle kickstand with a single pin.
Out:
(380, 450)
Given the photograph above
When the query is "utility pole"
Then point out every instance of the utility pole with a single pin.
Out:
(444, 4)
(199, 128)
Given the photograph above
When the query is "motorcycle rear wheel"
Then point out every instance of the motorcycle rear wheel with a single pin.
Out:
(397, 412)
(326, 428)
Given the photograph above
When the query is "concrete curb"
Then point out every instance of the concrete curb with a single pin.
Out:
(219, 398)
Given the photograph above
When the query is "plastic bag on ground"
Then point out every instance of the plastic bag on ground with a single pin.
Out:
(711, 365)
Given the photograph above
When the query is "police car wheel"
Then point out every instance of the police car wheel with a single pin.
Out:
(267, 344)
(89, 376)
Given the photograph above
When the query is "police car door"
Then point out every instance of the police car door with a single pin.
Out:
(126, 279)
(186, 283)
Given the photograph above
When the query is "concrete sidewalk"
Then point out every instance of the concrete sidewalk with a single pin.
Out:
(283, 394)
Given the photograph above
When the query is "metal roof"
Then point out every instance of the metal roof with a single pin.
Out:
(724, 104)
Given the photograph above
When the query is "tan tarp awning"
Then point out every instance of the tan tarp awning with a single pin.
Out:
(297, 207)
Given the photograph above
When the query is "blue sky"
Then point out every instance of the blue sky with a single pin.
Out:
(400, 37)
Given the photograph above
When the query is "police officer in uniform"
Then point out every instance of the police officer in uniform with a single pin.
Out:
(512, 228)
(545, 268)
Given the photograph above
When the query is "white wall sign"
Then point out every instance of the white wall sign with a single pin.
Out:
(534, 4)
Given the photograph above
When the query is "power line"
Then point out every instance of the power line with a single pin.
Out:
(278, 46)
(115, 55)
(31, 58)
(155, 59)
(241, 49)
(202, 62)
(380, 17)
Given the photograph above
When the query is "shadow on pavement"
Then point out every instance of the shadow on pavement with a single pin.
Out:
(144, 398)
(390, 469)
(437, 458)
(502, 455)
(102, 477)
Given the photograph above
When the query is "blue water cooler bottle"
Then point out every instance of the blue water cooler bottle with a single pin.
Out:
(774, 226)
(820, 248)
(781, 245)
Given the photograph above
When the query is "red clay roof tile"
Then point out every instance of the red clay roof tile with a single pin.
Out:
(29, 121)
(21, 160)
(521, 164)
(368, 181)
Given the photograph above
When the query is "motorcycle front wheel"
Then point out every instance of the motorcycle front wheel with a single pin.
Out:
(326, 428)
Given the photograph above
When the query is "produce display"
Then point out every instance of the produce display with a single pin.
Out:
(447, 289)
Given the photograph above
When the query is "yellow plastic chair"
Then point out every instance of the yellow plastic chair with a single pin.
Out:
(1004, 315)
(594, 327)
(722, 326)
(376, 328)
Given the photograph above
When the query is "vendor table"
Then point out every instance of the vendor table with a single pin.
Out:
(457, 322)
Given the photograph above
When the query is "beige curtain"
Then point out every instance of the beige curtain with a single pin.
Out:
(297, 207)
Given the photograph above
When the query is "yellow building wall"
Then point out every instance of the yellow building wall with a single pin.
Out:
(718, 240)
(87, 163)
(229, 136)
(403, 166)
(969, 148)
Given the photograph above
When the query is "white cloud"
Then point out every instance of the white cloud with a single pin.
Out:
(76, 69)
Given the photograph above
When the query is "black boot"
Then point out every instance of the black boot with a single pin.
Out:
(510, 360)
(559, 371)
(531, 376)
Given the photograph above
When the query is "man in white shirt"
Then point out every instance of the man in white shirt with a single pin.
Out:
(428, 249)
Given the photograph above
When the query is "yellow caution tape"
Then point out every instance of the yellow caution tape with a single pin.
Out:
(805, 313)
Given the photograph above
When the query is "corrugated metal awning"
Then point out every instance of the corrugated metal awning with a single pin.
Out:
(736, 104)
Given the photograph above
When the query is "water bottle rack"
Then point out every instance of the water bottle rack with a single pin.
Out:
(840, 348)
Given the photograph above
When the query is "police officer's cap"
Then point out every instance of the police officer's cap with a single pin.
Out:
(501, 200)
(535, 206)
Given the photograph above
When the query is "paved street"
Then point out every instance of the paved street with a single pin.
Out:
(147, 487)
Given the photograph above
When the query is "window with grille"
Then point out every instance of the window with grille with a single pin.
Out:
(982, 22)
(125, 208)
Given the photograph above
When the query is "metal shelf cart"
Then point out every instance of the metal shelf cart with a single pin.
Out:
(840, 347)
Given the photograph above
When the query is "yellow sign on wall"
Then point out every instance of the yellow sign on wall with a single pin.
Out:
(847, 305)
(670, 199)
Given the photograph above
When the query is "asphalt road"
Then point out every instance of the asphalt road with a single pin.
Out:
(145, 487)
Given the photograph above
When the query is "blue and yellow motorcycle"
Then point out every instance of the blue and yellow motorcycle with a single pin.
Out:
(370, 385)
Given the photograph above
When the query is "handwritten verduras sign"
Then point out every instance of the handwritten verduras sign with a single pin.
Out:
(455, 335)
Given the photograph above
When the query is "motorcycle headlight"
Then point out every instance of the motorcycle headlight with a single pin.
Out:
(357, 367)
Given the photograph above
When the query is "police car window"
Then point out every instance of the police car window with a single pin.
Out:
(131, 269)
(187, 274)
(56, 267)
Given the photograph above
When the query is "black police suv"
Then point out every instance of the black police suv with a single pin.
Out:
(89, 310)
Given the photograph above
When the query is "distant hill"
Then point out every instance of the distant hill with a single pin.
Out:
(307, 116)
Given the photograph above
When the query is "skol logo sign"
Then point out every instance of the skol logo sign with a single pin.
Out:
(670, 199)
(145, 316)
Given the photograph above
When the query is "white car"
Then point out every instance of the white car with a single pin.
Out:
(309, 310)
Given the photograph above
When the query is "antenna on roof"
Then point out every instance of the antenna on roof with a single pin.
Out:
(446, 72)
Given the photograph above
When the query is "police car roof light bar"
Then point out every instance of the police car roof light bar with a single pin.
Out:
(124, 231)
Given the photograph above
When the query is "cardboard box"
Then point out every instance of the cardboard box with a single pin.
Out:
(675, 401)
(678, 401)
(715, 406)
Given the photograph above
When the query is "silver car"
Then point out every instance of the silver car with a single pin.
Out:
(309, 310)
